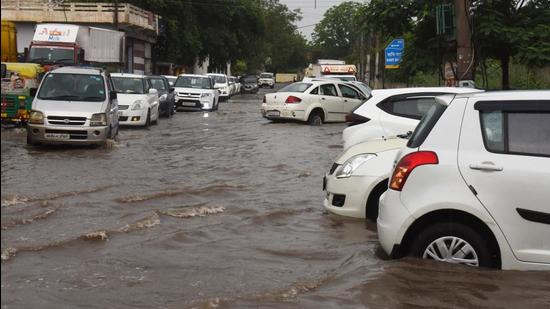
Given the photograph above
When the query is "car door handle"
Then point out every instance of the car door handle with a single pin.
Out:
(486, 166)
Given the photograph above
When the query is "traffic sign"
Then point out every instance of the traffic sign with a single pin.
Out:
(394, 53)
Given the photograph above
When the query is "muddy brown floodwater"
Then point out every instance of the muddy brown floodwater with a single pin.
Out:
(210, 210)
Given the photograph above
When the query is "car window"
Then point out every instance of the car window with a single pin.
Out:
(158, 83)
(426, 125)
(296, 87)
(315, 91)
(409, 107)
(328, 90)
(516, 132)
(146, 85)
(348, 92)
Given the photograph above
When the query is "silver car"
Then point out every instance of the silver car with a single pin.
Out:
(74, 105)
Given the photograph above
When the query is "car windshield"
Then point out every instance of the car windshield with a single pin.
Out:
(364, 87)
(128, 85)
(48, 54)
(266, 75)
(193, 82)
(250, 79)
(158, 83)
(72, 87)
(219, 79)
(296, 87)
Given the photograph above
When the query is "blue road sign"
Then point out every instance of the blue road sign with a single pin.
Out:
(394, 53)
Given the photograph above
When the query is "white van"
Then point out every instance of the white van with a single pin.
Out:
(74, 105)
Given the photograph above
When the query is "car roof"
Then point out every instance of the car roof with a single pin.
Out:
(194, 75)
(217, 74)
(78, 70)
(396, 91)
(128, 75)
(508, 94)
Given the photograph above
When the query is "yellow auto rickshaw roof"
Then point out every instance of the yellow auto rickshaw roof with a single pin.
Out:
(27, 70)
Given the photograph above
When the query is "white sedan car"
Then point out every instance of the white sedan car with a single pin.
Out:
(138, 101)
(359, 176)
(391, 112)
(314, 102)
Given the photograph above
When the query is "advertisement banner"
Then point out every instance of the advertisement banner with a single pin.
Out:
(55, 33)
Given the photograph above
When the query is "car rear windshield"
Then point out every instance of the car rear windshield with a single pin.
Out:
(193, 82)
(266, 75)
(72, 87)
(128, 85)
(426, 124)
(296, 87)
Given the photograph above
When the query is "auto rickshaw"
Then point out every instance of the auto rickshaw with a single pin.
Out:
(19, 84)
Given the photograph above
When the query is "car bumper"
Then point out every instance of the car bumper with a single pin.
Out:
(393, 220)
(348, 196)
(132, 118)
(283, 112)
(48, 134)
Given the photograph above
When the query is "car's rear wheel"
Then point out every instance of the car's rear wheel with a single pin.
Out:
(315, 118)
(453, 243)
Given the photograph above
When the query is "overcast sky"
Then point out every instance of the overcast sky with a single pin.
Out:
(310, 14)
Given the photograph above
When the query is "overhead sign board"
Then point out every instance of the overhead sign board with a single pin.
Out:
(55, 33)
(394, 53)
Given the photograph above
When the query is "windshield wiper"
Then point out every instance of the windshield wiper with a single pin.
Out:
(62, 97)
(59, 60)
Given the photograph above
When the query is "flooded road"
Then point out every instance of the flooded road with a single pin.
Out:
(211, 210)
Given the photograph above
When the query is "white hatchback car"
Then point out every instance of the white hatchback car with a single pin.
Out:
(138, 101)
(391, 112)
(314, 102)
(359, 176)
(472, 184)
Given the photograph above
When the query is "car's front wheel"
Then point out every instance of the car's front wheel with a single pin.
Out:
(453, 243)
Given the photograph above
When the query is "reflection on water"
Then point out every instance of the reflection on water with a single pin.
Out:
(209, 210)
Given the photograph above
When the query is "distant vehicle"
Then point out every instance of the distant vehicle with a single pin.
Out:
(266, 79)
(470, 187)
(232, 85)
(359, 176)
(249, 84)
(74, 105)
(222, 84)
(65, 44)
(329, 68)
(171, 79)
(237, 85)
(19, 84)
(196, 92)
(166, 95)
(138, 100)
(390, 112)
(316, 102)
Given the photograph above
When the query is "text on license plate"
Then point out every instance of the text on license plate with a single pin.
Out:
(57, 136)
(189, 103)
(273, 114)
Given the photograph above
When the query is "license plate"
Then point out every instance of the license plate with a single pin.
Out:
(189, 104)
(57, 136)
(273, 114)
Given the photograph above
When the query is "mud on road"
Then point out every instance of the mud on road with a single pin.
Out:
(210, 210)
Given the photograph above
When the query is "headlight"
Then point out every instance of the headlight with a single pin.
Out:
(36, 117)
(98, 120)
(163, 97)
(352, 164)
(137, 105)
(206, 95)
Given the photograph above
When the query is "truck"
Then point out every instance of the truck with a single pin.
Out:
(55, 45)
(328, 68)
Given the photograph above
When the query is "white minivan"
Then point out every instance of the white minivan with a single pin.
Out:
(472, 185)
(74, 105)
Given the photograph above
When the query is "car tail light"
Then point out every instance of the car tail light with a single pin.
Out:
(407, 164)
(353, 119)
(263, 101)
(293, 100)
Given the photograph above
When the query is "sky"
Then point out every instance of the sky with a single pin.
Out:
(310, 14)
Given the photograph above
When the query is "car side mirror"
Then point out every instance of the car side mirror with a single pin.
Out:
(113, 95)
(153, 91)
(171, 89)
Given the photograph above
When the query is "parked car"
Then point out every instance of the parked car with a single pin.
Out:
(221, 82)
(138, 100)
(267, 80)
(74, 105)
(391, 112)
(196, 92)
(232, 86)
(359, 176)
(237, 85)
(471, 185)
(171, 79)
(315, 102)
(166, 95)
(249, 84)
